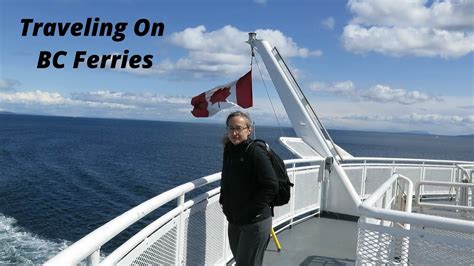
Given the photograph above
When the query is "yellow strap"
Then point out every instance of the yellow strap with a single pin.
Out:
(275, 239)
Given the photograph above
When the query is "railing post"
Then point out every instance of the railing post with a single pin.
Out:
(463, 197)
(94, 258)
(324, 178)
(292, 201)
(364, 178)
(180, 236)
(470, 194)
(454, 170)
(423, 176)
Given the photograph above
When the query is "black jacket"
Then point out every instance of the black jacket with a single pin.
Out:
(248, 183)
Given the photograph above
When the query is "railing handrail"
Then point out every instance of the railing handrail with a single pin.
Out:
(94, 240)
(442, 183)
(374, 197)
(120, 252)
(367, 209)
(405, 160)
(438, 205)
(468, 174)
(306, 160)
(418, 219)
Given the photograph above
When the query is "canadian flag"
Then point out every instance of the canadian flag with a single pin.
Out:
(238, 92)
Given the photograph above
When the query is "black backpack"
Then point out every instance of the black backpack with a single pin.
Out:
(283, 195)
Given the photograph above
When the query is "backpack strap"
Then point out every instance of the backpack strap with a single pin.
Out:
(259, 142)
(251, 146)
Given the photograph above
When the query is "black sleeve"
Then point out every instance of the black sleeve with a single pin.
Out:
(266, 179)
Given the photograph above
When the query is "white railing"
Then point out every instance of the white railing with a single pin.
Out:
(394, 194)
(389, 234)
(368, 173)
(196, 229)
(171, 232)
(465, 173)
(89, 246)
(462, 195)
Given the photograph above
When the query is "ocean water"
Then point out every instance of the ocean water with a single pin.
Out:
(61, 178)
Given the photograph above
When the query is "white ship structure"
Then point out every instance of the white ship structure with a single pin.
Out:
(343, 209)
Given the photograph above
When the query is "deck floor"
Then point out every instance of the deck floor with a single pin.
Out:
(316, 241)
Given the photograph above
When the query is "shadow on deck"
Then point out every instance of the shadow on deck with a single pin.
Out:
(316, 241)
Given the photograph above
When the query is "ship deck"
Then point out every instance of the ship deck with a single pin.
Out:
(316, 241)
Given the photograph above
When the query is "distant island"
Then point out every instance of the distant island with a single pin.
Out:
(417, 132)
(6, 112)
(466, 136)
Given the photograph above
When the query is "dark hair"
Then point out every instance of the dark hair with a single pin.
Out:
(239, 113)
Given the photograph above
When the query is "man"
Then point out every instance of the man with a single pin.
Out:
(248, 185)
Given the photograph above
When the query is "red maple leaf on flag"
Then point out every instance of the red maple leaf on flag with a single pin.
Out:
(220, 95)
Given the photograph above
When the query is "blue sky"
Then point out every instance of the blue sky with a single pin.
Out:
(365, 65)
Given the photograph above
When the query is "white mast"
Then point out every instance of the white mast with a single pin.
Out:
(338, 194)
(298, 109)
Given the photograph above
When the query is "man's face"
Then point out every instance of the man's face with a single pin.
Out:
(238, 130)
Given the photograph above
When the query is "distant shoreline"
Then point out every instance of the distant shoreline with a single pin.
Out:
(415, 132)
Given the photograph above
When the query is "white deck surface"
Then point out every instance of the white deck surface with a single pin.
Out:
(317, 241)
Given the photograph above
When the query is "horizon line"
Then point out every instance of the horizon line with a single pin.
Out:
(415, 132)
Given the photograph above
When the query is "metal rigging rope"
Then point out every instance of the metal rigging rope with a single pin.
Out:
(268, 94)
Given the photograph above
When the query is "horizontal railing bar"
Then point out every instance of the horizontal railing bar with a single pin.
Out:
(308, 160)
(443, 184)
(418, 219)
(380, 191)
(367, 209)
(468, 165)
(301, 168)
(388, 164)
(446, 206)
(405, 160)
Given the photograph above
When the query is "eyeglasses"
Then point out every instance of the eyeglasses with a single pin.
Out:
(235, 129)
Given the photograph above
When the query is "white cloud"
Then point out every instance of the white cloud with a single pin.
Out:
(446, 118)
(415, 118)
(399, 28)
(467, 107)
(328, 23)
(211, 52)
(287, 47)
(8, 84)
(429, 116)
(45, 98)
(34, 97)
(130, 99)
(398, 41)
(378, 93)
(448, 14)
(106, 104)
(261, 2)
(345, 88)
(381, 93)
